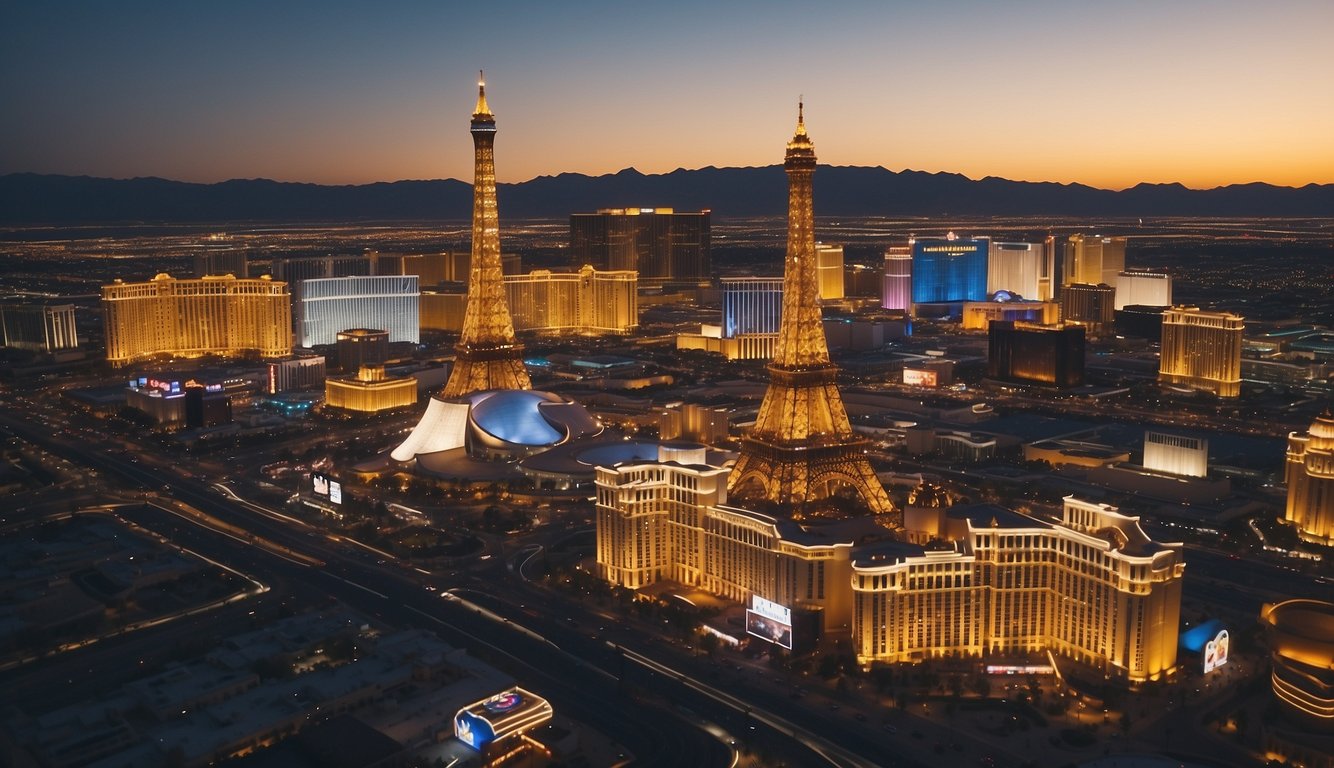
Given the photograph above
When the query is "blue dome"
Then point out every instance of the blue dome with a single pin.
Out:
(513, 415)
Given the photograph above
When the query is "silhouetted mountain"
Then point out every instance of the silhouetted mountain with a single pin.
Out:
(27, 198)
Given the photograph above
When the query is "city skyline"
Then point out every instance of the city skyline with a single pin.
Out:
(1041, 92)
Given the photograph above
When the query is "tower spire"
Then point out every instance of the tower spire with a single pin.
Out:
(802, 448)
(482, 109)
(487, 355)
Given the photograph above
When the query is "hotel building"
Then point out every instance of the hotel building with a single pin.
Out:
(370, 391)
(1092, 306)
(1146, 289)
(38, 326)
(949, 270)
(328, 305)
(829, 271)
(588, 301)
(295, 374)
(1310, 478)
(1024, 269)
(1094, 259)
(191, 318)
(1037, 354)
(977, 315)
(752, 309)
(1201, 350)
(660, 244)
(1093, 588)
(897, 292)
(1176, 454)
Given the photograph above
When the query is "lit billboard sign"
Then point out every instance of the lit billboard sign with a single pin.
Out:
(1215, 651)
(918, 378)
(321, 484)
(335, 492)
(769, 621)
(472, 730)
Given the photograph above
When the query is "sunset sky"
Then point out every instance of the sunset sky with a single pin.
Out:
(1104, 93)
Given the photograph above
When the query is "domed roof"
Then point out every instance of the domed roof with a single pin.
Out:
(929, 495)
(514, 416)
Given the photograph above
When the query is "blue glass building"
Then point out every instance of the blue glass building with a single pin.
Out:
(949, 270)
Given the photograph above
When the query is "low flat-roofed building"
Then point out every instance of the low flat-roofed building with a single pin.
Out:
(371, 390)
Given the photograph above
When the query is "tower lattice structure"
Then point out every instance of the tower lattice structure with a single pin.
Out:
(802, 448)
(487, 355)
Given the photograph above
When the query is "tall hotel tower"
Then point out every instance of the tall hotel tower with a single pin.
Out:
(488, 356)
(802, 447)
(1201, 350)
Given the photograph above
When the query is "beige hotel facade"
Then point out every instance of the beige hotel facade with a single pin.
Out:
(1092, 587)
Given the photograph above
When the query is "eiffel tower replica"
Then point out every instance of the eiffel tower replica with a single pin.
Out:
(487, 355)
(802, 448)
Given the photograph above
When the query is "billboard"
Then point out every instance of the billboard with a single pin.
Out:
(1215, 651)
(320, 483)
(335, 492)
(769, 621)
(326, 486)
(918, 378)
(472, 730)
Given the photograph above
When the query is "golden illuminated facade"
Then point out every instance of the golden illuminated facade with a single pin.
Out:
(224, 315)
(1301, 642)
(1094, 259)
(829, 270)
(802, 448)
(1310, 477)
(588, 301)
(977, 315)
(669, 519)
(488, 357)
(1094, 589)
(370, 391)
(1201, 350)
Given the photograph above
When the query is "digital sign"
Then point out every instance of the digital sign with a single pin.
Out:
(769, 621)
(918, 378)
(335, 492)
(1215, 651)
(472, 730)
(321, 484)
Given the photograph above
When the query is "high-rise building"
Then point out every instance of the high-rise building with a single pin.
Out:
(1091, 306)
(1310, 478)
(1036, 354)
(231, 261)
(328, 305)
(751, 305)
(295, 374)
(356, 347)
(802, 447)
(224, 315)
(487, 355)
(1139, 322)
(442, 310)
(660, 244)
(1142, 288)
(898, 278)
(588, 301)
(949, 270)
(1094, 259)
(370, 390)
(1094, 588)
(1176, 454)
(1201, 350)
(829, 271)
(1022, 269)
(38, 326)
(294, 269)
(436, 268)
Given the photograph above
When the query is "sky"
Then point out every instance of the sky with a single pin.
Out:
(1109, 93)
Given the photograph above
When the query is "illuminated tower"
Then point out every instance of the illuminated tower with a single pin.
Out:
(802, 448)
(488, 357)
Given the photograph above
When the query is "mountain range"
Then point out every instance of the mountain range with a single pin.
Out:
(37, 199)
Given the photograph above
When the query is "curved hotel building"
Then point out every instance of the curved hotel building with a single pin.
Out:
(192, 318)
(1092, 588)
(328, 305)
